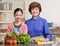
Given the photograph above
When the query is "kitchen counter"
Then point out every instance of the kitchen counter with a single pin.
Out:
(54, 44)
(55, 31)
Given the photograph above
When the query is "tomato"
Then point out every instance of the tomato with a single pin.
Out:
(8, 42)
(11, 40)
(14, 41)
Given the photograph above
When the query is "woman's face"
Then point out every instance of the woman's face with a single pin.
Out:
(18, 16)
(35, 12)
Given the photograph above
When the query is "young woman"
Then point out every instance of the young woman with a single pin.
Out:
(37, 26)
(18, 26)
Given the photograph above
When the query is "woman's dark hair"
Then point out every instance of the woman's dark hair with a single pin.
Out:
(18, 9)
(33, 5)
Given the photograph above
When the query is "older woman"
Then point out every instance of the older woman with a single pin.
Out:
(37, 26)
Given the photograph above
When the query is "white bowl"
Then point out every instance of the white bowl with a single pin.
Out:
(57, 39)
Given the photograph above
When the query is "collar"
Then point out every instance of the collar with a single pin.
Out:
(38, 17)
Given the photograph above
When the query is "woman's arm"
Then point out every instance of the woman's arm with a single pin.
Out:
(46, 32)
(10, 26)
(25, 29)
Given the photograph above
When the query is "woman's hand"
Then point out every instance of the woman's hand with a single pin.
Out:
(16, 32)
(46, 40)
(31, 40)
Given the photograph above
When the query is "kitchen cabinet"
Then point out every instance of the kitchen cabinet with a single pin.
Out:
(7, 8)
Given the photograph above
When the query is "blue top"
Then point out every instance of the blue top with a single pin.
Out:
(38, 27)
(17, 29)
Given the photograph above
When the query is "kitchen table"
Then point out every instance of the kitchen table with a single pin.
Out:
(33, 44)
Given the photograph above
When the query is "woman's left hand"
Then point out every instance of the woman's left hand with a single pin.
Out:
(17, 33)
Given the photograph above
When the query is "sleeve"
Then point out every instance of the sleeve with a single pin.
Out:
(10, 27)
(46, 30)
(25, 22)
(25, 29)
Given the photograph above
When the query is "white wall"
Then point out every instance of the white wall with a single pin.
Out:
(50, 10)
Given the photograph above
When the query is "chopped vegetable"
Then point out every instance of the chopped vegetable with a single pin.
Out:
(22, 38)
(13, 34)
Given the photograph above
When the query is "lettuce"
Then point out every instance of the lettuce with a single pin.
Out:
(22, 38)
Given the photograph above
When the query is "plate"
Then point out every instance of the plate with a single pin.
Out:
(50, 42)
(41, 37)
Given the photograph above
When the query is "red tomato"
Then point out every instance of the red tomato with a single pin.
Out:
(14, 41)
(9, 42)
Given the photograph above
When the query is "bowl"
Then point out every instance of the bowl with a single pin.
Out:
(3, 30)
(58, 39)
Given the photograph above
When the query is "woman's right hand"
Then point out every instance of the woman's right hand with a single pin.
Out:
(31, 40)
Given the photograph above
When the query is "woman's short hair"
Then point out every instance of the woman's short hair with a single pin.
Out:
(18, 9)
(33, 5)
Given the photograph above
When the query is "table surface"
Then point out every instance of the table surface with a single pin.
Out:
(33, 44)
